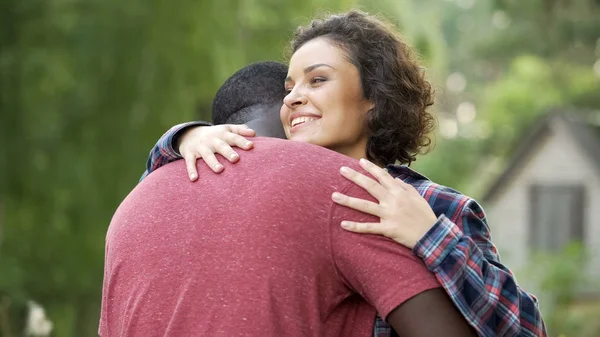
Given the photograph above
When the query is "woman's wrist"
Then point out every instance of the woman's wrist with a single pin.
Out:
(438, 242)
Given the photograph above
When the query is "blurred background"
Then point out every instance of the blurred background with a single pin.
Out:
(87, 87)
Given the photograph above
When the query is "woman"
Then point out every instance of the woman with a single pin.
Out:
(355, 88)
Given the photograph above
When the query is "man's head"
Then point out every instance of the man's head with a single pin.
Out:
(253, 96)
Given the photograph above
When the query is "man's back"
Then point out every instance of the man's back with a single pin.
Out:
(255, 251)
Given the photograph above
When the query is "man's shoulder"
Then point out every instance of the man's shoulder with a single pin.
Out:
(284, 144)
(272, 166)
(174, 171)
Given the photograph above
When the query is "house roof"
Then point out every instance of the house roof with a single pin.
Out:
(583, 126)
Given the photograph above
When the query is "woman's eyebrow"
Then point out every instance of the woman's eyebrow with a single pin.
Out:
(309, 69)
(315, 66)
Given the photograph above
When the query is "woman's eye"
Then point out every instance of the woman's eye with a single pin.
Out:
(316, 80)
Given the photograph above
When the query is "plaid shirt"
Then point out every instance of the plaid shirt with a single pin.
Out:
(458, 249)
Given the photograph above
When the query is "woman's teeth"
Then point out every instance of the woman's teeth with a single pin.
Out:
(300, 120)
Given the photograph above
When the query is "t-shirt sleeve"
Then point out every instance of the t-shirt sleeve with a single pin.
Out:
(382, 271)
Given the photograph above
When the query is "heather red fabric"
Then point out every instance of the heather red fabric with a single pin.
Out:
(254, 251)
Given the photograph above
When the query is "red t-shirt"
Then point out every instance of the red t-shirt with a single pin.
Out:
(254, 251)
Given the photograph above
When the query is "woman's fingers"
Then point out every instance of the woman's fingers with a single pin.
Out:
(373, 187)
(224, 146)
(361, 205)
(384, 178)
(226, 151)
(242, 130)
(190, 164)
(204, 142)
(237, 140)
(211, 160)
(365, 227)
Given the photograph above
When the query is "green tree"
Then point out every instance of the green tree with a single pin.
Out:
(561, 280)
(519, 59)
(86, 88)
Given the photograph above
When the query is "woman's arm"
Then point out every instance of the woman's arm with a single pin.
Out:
(195, 140)
(166, 150)
(456, 246)
(467, 264)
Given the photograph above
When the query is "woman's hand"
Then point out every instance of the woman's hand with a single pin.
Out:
(204, 141)
(405, 216)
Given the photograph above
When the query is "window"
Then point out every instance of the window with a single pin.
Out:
(557, 214)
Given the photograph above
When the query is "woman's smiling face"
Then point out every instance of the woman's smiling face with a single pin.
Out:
(325, 104)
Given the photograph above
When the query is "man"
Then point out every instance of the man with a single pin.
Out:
(180, 262)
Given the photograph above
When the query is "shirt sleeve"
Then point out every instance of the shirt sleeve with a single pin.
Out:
(465, 261)
(383, 272)
(163, 151)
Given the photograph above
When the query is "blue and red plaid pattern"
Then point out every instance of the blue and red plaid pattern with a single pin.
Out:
(458, 249)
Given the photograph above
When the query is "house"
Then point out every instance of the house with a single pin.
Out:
(549, 193)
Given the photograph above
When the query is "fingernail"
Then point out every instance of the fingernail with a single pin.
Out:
(193, 176)
(233, 156)
(336, 196)
(218, 167)
(345, 170)
(248, 144)
(345, 224)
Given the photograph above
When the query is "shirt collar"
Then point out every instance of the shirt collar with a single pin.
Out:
(404, 172)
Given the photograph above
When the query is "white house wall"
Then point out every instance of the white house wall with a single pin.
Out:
(557, 160)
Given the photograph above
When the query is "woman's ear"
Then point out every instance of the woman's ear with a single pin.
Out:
(368, 105)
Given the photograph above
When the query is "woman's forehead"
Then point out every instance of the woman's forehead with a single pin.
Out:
(319, 50)
(316, 52)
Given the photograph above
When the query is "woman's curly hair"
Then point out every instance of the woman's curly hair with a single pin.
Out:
(400, 123)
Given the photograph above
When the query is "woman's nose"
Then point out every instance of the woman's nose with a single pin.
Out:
(294, 99)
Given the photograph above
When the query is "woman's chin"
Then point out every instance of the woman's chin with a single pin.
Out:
(300, 138)
(311, 139)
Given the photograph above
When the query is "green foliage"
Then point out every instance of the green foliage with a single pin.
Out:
(514, 75)
(530, 88)
(561, 277)
(87, 87)
(547, 28)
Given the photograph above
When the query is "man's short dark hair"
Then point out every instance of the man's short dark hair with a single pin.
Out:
(248, 92)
